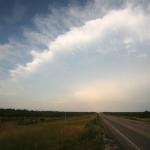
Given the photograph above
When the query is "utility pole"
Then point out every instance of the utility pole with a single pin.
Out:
(65, 116)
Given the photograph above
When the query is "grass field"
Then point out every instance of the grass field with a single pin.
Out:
(143, 116)
(86, 132)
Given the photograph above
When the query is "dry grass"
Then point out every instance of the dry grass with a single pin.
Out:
(48, 135)
(75, 133)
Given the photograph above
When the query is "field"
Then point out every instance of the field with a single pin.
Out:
(74, 132)
(143, 116)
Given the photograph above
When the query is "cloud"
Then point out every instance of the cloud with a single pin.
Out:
(32, 66)
(98, 91)
(114, 93)
(18, 13)
(93, 35)
(9, 88)
(68, 48)
(142, 55)
(118, 93)
(12, 53)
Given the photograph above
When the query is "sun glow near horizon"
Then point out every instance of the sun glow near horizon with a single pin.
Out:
(91, 55)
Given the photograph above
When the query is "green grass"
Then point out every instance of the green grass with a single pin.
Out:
(140, 116)
(145, 114)
(76, 133)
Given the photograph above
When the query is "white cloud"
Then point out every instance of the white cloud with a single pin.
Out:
(9, 88)
(105, 43)
(92, 35)
(98, 91)
(115, 93)
(142, 55)
(32, 66)
(4, 50)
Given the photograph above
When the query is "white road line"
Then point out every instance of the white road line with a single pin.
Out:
(126, 138)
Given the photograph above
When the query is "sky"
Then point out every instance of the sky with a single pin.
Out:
(83, 55)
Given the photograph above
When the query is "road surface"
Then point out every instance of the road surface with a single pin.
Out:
(132, 133)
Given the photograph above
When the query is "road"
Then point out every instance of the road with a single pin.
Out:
(132, 133)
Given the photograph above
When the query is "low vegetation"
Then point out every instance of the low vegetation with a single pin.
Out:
(81, 132)
(30, 113)
(145, 114)
(142, 116)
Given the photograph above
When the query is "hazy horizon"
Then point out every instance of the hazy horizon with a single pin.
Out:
(83, 55)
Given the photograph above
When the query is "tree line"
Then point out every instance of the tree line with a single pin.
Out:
(36, 113)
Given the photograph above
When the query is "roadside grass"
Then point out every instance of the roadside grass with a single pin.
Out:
(75, 133)
(139, 116)
(96, 136)
(132, 115)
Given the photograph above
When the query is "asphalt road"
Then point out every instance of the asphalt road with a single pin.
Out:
(134, 134)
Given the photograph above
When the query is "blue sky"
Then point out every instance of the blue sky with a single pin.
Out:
(86, 55)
